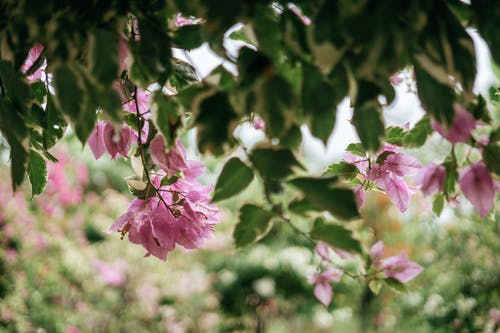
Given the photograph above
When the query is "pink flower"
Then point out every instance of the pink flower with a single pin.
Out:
(33, 55)
(296, 10)
(123, 54)
(258, 123)
(177, 214)
(431, 178)
(395, 188)
(401, 164)
(322, 250)
(142, 102)
(396, 267)
(396, 79)
(322, 287)
(360, 193)
(96, 141)
(117, 143)
(72, 329)
(462, 127)
(171, 162)
(342, 254)
(376, 252)
(478, 187)
(400, 268)
(360, 162)
(181, 21)
(494, 316)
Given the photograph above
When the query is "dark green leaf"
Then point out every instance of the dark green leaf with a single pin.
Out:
(104, 56)
(436, 97)
(15, 86)
(55, 124)
(234, 178)
(319, 101)
(325, 194)
(451, 176)
(188, 37)
(335, 236)
(396, 285)
(254, 223)
(39, 91)
(491, 156)
(369, 126)
(70, 92)
(342, 169)
(37, 172)
(301, 207)
(215, 122)
(274, 162)
(166, 116)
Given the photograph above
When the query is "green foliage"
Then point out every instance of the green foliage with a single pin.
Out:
(254, 223)
(37, 172)
(234, 177)
(327, 194)
(335, 236)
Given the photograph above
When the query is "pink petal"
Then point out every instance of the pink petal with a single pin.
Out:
(324, 293)
(478, 187)
(359, 162)
(360, 193)
(117, 143)
(332, 274)
(462, 127)
(323, 251)
(96, 142)
(400, 268)
(401, 164)
(376, 252)
(258, 123)
(431, 178)
(396, 190)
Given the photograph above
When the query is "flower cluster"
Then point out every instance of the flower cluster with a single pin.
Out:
(173, 212)
(387, 172)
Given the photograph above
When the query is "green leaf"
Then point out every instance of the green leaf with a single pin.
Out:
(234, 178)
(55, 124)
(166, 180)
(274, 162)
(396, 285)
(166, 116)
(188, 37)
(70, 92)
(254, 223)
(491, 156)
(14, 130)
(301, 206)
(215, 121)
(103, 58)
(335, 236)
(356, 149)
(437, 98)
(15, 86)
(417, 136)
(152, 52)
(375, 286)
(369, 126)
(39, 91)
(325, 194)
(240, 35)
(451, 176)
(37, 172)
(342, 169)
(319, 101)
(394, 135)
(438, 204)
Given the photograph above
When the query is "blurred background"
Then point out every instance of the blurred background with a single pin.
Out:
(60, 271)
